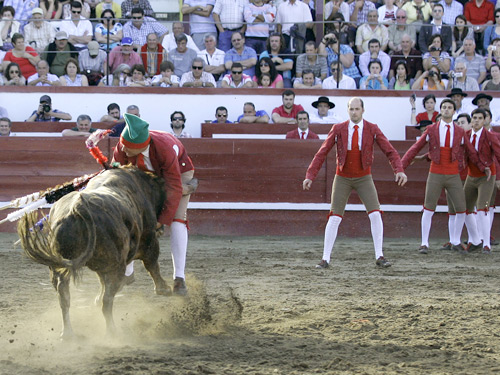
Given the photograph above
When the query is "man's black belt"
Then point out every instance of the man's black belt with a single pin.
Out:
(238, 28)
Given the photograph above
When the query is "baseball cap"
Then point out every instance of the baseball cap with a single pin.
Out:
(37, 11)
(127, 41)
(61, 35)
(93, 47)
(45, 99)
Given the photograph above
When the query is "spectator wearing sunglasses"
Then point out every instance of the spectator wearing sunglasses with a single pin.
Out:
(236, 79)
(197, 77)
(221, 115)
(140, 26)
(177, 124)
(12, 76)
(79, 29)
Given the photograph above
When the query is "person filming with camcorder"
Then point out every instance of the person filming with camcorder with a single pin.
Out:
(45, 112)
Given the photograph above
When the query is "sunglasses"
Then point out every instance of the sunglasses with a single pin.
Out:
(401, 17)
(177, 119)
(264, 64)
(236, 72)
(197, 67)
(76, 11)
(14, 71)
(221, 115)
(137, 18)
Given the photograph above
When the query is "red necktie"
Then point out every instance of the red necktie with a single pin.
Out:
(355, 139)
(302, 135)
(474, 140)
(140, 162)
(447, 138)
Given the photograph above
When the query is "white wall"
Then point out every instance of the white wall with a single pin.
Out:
(390, 113)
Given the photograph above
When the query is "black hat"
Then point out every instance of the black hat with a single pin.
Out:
(481, 96)
(323, 99)
(456, 91)
(45, 99)
(423, 124)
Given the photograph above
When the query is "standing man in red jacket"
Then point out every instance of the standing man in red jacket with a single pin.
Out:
(447, 145)
(355, 140)
(303, 131)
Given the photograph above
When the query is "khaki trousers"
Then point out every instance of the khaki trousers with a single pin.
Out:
(181, 212)
(453, 186)
(478, 193)
(364, 186)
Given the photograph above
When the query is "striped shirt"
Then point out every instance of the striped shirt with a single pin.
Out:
(139, 36)
(39, 37)
(230, 12)
(259, 29)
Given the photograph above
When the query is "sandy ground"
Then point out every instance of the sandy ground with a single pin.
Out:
(258, 306)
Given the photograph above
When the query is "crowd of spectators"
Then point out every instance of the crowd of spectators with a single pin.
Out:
(380, 44)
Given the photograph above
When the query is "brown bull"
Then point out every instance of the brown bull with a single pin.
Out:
(103, 227)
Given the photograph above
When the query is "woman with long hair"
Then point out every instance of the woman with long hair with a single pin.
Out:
(8, 27)
(374, 81)
(266, 65)
(401, 81)
(429, 80)
(492, 32)
(460, 32)
(72, 76)
(430, 113)
(109, 25)
(281, 57)
(12, 76)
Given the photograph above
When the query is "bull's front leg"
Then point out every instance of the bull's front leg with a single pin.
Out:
(64, 302)
(150, 261)
(112, 284)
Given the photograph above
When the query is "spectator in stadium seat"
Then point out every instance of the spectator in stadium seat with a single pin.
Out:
(303, 131)
(291, 13)
(221, 115)
(374, 80)
(307, 81)
(387, 13)
(410, 56)
(178, 121)
(374, 52)
(345, 82)
(78, 28)
(92, 59)
(43, 77)
(139, 27)
(475, 63)
(25, 56)
(138, 77)
(266, 65)
(39, 33)
(197, 77)
(436, 26)
(287, 112)
(452, 9)
(480, 14)
(5, 126)
(182, 57)
(22, 9)
(66, 11)
(166, 78)
(325, 113)
(398, 30)
(402, 79)
(493, 53)
(201, 21)
(108, 5)
(45, 112)
(83, 128)
(116, 130)
(113, 114)
(492, 32)
(334, 7)
(213, 57)
(436, 56)
(281, 57)
(460, 79)
(123, 54)
(430, 113)
(128, 5)
(250, 115)
(169, 42)
(457, 95)
(108, 25)
(494, 83)
(430, 80)
(12, 76)
(152, 55)
(51, 10)
(369, 31)
(236, 79)
(58, 53)
(358, 11)
(311, 60)
(228, 17)
(118, 78)
(258, 14)
(417, 12)
(460, 32)
(331, 48)
(242, 54)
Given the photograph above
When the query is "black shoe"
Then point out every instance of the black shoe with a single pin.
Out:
(382, 262)
(472, 248)
(458, 248)
(486, 250)
(322, 264)
(493, 242)
(180, 288)
(423, 249)
(446, 246)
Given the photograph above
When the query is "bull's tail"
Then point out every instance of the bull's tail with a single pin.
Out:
(40, 244)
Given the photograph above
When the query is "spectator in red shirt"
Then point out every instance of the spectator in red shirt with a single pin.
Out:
(430, 112)
(287, 112)
(23, 55)
(480, 14)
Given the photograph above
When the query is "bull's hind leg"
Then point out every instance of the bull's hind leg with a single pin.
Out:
(112, 284)
(64, 302)
(150, 261)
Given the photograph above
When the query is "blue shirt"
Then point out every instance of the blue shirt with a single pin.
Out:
(351, 71)
(41, 118)
(257, 114)
(248, 53)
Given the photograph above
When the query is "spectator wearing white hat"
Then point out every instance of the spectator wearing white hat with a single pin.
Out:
(39, 33)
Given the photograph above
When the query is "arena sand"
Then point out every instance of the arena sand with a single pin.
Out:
(258, 306)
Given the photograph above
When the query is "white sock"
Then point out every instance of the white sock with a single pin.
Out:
(483, 226)
(451, 225)
(459, 225)
(178, 245)
(332, 227)
(377, 228)
(491, 215)
(472, 230)
(130, 269)
(426, 223)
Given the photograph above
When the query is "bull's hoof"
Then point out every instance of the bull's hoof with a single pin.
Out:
(67, 335)
(163, 291)
(129, 279)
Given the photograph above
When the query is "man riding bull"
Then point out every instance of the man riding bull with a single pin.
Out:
(162, 154)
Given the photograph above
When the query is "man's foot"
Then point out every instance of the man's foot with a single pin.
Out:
(382, 262)
(446, 246)
(423, 249)
(458, 248)
(322, 264)
(493, 242)
(472, 248)
(486, 250)
(129, 279)
(180, 288)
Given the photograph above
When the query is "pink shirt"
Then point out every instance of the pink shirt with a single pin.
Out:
(116, 57)
(278, 78)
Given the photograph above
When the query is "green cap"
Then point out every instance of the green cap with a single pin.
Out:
(136, 132)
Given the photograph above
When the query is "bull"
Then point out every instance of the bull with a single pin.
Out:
(104, 227)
